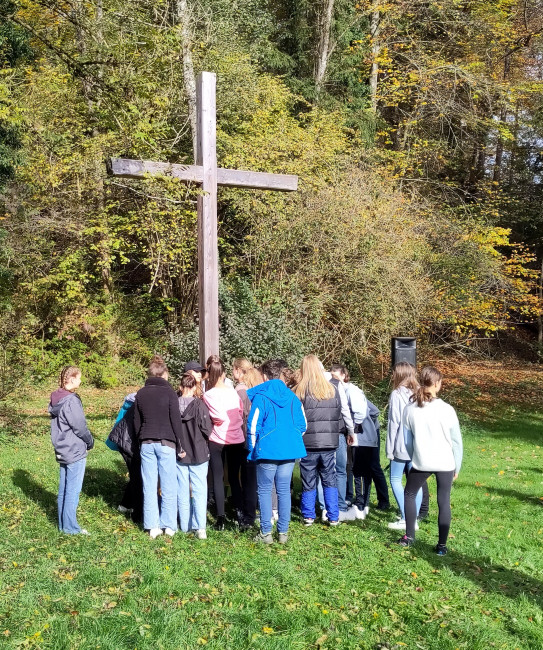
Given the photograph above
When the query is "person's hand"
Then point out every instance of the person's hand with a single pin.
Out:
(90, 445)
(350, 439)
(182, 454)
(455, 477)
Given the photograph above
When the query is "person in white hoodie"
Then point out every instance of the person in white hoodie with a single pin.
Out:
(404, 383)
(434, 443)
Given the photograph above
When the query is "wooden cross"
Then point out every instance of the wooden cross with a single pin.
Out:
(206, 173)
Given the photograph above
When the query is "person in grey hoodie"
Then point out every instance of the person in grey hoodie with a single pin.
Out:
(71, 440)
(404, 383)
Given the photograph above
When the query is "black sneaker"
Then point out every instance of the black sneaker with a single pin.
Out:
(383, 506)
(441, 549)
(220, 523)
(406, 541)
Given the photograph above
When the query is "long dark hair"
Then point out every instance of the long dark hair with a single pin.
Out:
(215, 370)
(428, 377)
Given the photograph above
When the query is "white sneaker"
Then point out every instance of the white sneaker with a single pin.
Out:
(201, 534)
(359, 512)
(84, 531)
(125, 511)
(169, 532)
(275, 515)
(347, 515)
(154, 533)
(400, 525)
(367, 510)
(324, 516)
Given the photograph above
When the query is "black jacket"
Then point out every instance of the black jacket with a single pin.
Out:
(156, 414)
(124, 435)
(196, 426)
(324, 422)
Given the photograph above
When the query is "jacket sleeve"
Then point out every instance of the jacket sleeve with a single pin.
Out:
(394, 423)
(408, 434)
(73, 412)
(358, 403)
(298, 416)
(137, 418)
(457, 444)
(175, 420)
(345, 410)
(204, 421)
(255, 421)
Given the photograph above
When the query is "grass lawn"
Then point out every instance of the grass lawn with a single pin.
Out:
(350, 587)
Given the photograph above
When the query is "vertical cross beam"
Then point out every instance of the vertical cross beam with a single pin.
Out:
(208, 254)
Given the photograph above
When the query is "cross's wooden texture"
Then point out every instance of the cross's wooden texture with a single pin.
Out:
(206, 173)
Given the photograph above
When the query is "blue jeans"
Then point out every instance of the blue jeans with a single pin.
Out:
(69, 489)
(319, 464)
(157, 460)
(192, 512)
(278, 473)
(341, 472)
(397, 468)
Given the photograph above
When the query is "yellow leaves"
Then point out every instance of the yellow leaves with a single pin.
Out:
(267, 630)
(414, 575)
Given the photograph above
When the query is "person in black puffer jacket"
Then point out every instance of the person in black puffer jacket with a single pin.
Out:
(323, 412)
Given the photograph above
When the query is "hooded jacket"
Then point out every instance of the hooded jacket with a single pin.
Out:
(70, 435)
(196, 427)
(276, 423)
(395, 445)
(123, 436)
(367, 433)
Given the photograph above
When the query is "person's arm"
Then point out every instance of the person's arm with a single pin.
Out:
(345, 410)
(175, 421)
(73, 412)
(408, 434)
(137, 418)
(255, 421)
(205, 424)
(457, 445)
(357, 402)
(298, 416)
(394, 424)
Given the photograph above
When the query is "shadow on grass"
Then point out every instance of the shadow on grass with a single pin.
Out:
(46, 500)
(514, 494)
(105, 484)
(528, 429)
(490, 577)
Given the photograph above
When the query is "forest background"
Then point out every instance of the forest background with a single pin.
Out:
(416, 129)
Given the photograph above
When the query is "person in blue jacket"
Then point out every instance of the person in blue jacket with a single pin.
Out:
(276, 425)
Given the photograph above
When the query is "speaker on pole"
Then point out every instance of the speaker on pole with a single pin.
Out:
(403, 348)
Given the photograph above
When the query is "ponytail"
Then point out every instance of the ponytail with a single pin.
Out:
(429, 376)
(215, 370)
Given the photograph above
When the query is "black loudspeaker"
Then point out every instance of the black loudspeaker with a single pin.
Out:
(403, 348)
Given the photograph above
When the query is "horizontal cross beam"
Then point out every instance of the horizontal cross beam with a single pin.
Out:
(128, 168)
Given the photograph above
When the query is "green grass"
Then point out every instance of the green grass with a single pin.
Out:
(350, 587)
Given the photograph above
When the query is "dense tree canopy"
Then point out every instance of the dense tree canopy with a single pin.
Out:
(415, 127)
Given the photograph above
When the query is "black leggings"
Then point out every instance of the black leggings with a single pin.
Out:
(234, 455)
(415, 480)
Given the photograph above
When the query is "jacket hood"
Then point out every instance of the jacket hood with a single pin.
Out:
(58, 397)
(275, 390)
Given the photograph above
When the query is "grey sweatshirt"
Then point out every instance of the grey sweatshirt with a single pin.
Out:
(70, 435)
(395, 445)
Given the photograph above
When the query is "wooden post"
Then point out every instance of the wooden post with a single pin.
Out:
(208, 254)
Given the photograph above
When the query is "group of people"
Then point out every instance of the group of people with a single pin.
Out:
(179, 447)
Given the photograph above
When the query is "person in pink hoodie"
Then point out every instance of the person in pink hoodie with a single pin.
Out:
(226, 440)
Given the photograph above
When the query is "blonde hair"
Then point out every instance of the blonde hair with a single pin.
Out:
(404, 374)
(242, 364)
(253, 377)
(312, 380)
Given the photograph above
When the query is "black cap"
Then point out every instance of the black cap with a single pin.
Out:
(192, 365)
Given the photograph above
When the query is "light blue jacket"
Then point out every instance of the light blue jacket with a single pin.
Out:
(276, 423)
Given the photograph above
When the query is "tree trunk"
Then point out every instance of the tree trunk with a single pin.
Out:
(324, 28)
(184, 20)
(375, 25)
(540, 315)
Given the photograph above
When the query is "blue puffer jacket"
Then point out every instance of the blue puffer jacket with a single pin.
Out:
(276, 423)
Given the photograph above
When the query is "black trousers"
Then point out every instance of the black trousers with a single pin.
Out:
(415, 480)
(235, 455)
(249, 491)
(133, 491)
(367, 464)
(425, 503)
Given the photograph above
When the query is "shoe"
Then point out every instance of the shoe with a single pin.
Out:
(324, 516)
(347, 515)
(406, 541)
(169, 531)
(441, 549)
(308, 522)
(359, 512)
(349, 503)
(367, 510)
(383, 506)
(423, 517)
(125, 511)
(275, 516)
(334, 523)
(220, 523)
(400, 525)
(201, 534)
(155, 532)
(84, 531)
(283, 538)
(263, 538)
